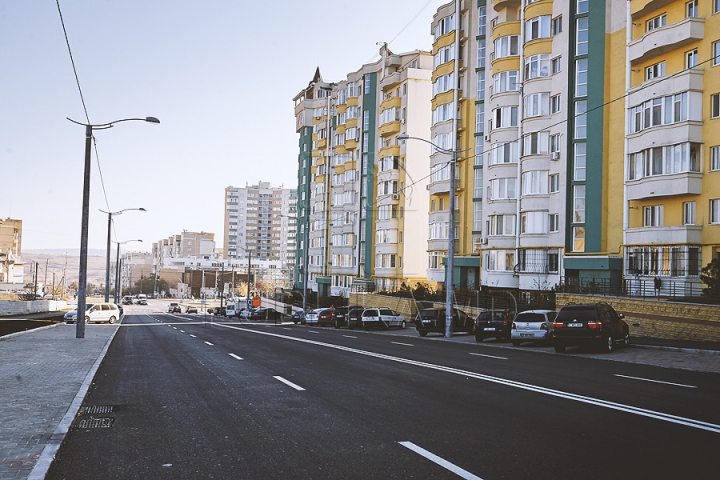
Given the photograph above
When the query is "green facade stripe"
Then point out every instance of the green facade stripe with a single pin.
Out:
(370, 105)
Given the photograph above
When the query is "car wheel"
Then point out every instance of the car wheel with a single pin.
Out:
(422, 333)
(402, 325)
(626, 337)
(111, 320)
(479, 338)
(516, 343)
(607, 345)
(560, 348)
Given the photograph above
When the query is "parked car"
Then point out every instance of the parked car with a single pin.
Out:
(120, 309)
(311, 318)
(433, 320)
(264, 313)
(219, 311)
(127, 300)
(493, 323)
(532, 326)
(230, 309)
(191, 309)
(382, 318)
(246, 313)
(350, 317)
(71, 316)
(596, 324)
(174, 307)
(99, 312)
(298, 316)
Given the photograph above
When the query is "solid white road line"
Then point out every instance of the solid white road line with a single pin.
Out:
(665, 417)
(655, 381)
(235, 356)
(440, 461)
(209, 343)
(406, 344)
(289, 383)
(489, 356)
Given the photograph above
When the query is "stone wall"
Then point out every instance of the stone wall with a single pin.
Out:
(659, 318)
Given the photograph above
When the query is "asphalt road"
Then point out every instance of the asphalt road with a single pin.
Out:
(180, 398)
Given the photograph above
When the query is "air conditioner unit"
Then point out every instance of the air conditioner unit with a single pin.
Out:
(427, 187)
(396, 196)
(555, 155)
(483, 241)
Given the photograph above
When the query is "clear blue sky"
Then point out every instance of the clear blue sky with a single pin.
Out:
(220, 76)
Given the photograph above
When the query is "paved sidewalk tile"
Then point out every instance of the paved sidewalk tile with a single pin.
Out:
(41, 373)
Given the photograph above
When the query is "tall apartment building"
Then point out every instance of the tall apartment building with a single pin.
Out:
(258, 221)
(362, 197)
(11, 266)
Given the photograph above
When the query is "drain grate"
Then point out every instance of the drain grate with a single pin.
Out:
(87, 423)
(96, 409)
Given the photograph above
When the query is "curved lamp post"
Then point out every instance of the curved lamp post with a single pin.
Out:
(451, 234)
(117, 267)
(107, 257)
(82, 280)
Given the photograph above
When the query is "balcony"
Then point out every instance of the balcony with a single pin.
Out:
(683, 234)
(665, 39)
(390, 128)
(688, 183)
(502, 4)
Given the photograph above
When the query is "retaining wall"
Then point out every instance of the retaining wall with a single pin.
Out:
(18, 307)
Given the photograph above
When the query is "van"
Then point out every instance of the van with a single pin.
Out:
(141, 299)
(98, 312)
(230, 310)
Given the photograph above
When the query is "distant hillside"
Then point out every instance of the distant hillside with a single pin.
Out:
(59, 262)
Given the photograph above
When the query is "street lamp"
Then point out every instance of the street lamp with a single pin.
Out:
(82, 280)
(451, 234)
(107, 257)
(117, 267)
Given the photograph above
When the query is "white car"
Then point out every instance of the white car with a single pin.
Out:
(99, 312)
(382, 317)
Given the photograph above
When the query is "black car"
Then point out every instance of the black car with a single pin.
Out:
(263, 313)
(341, 317)
(596, 324)
(298, 317)
(433, 320)
(495, 323)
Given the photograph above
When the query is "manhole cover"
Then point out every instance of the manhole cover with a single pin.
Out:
(96, 409)
(95, 423)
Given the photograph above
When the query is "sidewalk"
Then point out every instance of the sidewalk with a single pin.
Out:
(42, 373)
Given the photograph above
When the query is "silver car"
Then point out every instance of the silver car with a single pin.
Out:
(312, 317)
(382, 317)
(532, 326)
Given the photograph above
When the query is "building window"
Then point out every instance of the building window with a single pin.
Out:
(582, 6)
(691, 10)
(537, 104)
(505, 81)
(533, 223)
(535, 182)
(716, 52)
(654, 71)
(502, 189)
(506, 46)
(537, 66)
(502, 225)
(715, 105)
(716, 6)
(581, 119)
(555, 143)
(482, 20)
(444, 55)
(536, 143)
(579, 204)
(481, 85)
(657, 22)
(481, 53)
(580, 160)
(555, 105)
(444, 26)
(689, 213)
(504, 117)
(503, 153)
(581, 77)
(661, 111)
(554, 183)
(479, 117)
(691, 59)
(578, 239)
(715, 158)
(556, 65)
(554, 222)
(715, 211)
(538, 27)
(581, 47)
(679, 158)
(557, 25)
(653, 216)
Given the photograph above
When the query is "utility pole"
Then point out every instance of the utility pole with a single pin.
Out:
(35, 281)
(47, 260)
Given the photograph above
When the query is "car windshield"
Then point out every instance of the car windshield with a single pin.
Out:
(496, 315)
(429, 314)
(370, 313)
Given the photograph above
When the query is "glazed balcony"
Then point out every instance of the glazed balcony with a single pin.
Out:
(666, 39)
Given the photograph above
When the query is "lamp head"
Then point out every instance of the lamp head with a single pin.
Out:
(152, 120)
(403, 136)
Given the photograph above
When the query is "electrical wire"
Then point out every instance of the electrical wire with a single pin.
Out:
(403, 29)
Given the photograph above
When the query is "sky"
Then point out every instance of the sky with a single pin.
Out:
(219, 75)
